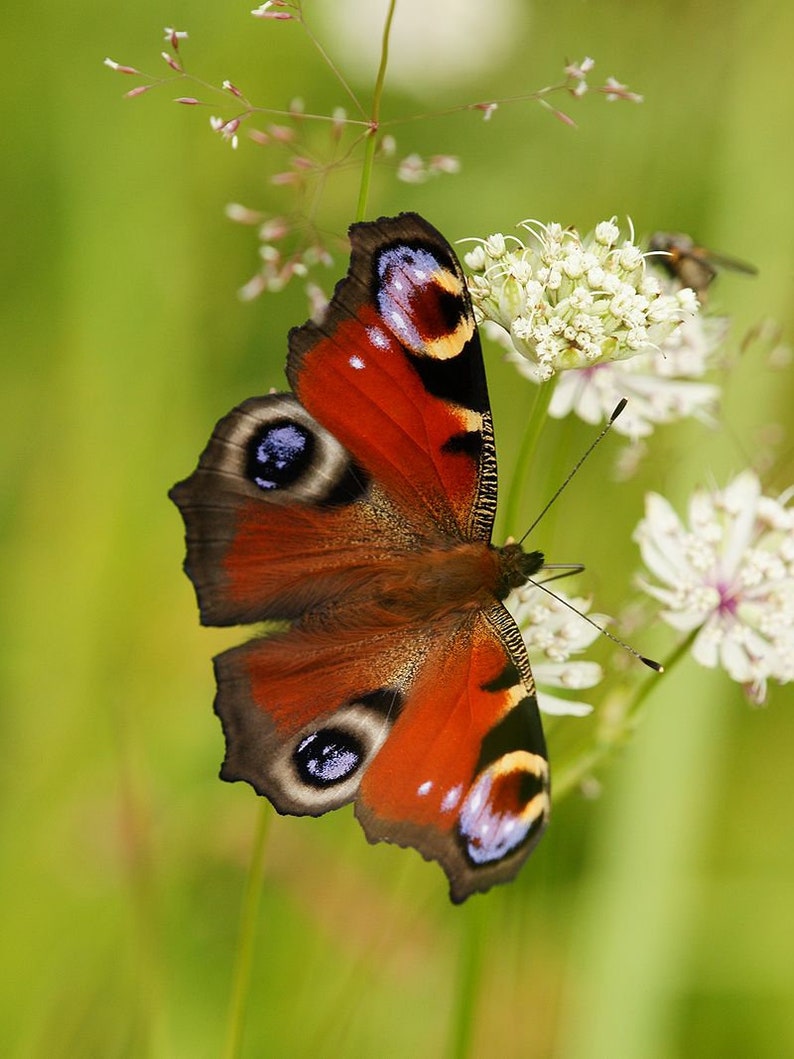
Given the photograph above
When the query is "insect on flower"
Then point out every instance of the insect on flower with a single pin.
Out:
(692, 265)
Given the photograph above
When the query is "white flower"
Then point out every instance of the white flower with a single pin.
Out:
(729, 576)
(566, 301)
(661, 385)
(553, 632)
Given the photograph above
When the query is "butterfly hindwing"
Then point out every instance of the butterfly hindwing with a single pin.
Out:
(434, 733)
(463, 776)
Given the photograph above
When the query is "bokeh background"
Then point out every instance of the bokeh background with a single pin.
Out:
(656, 920)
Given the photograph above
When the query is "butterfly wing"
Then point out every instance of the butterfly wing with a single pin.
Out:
(395, 372)
(389, 447)
(279, 519)
(300, 503)
(434, 732)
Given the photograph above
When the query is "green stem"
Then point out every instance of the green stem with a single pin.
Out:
(374, 121)
(245, 939)
(475, 929)
(535, 421)
(618, 735)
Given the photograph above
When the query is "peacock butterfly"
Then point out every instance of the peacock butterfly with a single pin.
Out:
(358, 510)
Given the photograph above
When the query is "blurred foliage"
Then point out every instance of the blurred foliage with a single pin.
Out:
(654, 921)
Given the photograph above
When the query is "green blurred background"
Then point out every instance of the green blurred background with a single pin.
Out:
(657, 920)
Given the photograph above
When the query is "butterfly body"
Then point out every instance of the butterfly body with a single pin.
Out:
(359, 510)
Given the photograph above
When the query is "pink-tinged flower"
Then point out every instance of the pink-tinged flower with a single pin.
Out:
(553, 632)
(579, 71)
(282, 133)
(487, 109)
(171, 62)
(118, 68)
(174, 36)
(412, 170)
(240, 214)
(444, 163)
(727, 577)
(614, 91)
(266, 11)
(226, 129)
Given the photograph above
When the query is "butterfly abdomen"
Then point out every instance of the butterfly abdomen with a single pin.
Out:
(432, 584)
(425, 586)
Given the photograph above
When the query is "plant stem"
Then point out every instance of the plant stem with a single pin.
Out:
(475, 929)
(245, 938)
(377, 95)
(535, 421)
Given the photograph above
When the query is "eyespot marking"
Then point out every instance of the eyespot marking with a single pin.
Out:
(328, 756)
(279, 454)
(507, 805)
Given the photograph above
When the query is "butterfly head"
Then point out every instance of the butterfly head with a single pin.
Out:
(516, 567)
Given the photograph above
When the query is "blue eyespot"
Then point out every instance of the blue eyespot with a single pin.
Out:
(279, 454)
(328, 756)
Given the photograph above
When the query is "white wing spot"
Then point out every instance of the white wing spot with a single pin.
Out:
(377, 337)
(356, 362)
(424, 788)
(399, 322)
(451, 798)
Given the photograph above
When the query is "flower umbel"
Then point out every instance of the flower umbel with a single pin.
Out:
(728, 577)
(553, 632)
(662, 385)
(568, 301)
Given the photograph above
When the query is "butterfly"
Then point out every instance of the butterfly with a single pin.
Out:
(692, 265)
(357, 511)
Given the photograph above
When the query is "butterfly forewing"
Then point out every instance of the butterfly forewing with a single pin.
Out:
(395, 372)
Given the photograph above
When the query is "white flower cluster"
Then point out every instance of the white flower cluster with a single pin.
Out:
(730, 576)
(573, 302)
(662, 385)
(553, 631)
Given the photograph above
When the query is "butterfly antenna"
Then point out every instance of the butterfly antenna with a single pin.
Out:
(618, 409)
(657, 667)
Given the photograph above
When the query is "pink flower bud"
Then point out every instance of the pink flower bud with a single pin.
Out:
(282, 179)
(275, 228)
(487, 109)
(173, 36)
(252, 289)
(263, 11)
(171, 61)
(119, 69)
(242, 214)
(133, 92)
(282, 133)
(566, 119)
